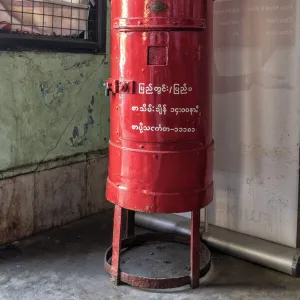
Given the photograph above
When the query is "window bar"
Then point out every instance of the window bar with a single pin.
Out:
(43, 18)
(100, 25)
(22, 16)
(11, 16)
(78, 20)
(63, 3)
(32, 19)
(71, 23)
(52, 20)
(61, 20)
(86, 32)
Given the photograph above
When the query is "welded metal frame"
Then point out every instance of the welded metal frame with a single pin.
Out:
(112, 256)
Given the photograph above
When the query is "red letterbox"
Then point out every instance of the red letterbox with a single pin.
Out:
(161, 149)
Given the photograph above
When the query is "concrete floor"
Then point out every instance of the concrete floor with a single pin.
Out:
(67, 264)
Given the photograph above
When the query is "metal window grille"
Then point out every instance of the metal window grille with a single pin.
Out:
(61, 25)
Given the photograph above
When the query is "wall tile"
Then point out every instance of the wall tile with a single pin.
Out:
(16, 207)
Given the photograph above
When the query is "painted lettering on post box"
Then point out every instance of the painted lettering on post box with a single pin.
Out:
(160, 128)
(162, 109)
(175, 89)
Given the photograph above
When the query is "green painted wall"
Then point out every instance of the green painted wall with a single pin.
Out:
(51, 106)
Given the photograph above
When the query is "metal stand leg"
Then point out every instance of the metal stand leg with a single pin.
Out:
(206, 219)
(130, 223)
(116, 246)
(195, 250)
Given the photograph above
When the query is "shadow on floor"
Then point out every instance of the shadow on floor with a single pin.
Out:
(67, 264)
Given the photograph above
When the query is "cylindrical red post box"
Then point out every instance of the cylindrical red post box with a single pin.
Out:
(161, 148)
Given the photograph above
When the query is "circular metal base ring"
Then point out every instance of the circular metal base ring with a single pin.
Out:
(156, 283)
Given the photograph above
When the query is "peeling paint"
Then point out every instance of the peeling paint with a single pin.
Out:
(59, 90)
(76, 139)
(77, 82)
(75, 132)
(44, 89)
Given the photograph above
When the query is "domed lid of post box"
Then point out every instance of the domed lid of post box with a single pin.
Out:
(158, 14)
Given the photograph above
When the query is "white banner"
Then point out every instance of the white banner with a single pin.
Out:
(256, 118)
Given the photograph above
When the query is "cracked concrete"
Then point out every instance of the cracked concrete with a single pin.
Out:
(67, 264)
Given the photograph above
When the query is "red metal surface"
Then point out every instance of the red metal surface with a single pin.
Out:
(160, 158)
(116, 245)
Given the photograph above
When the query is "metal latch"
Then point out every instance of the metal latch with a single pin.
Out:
(119, 86)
